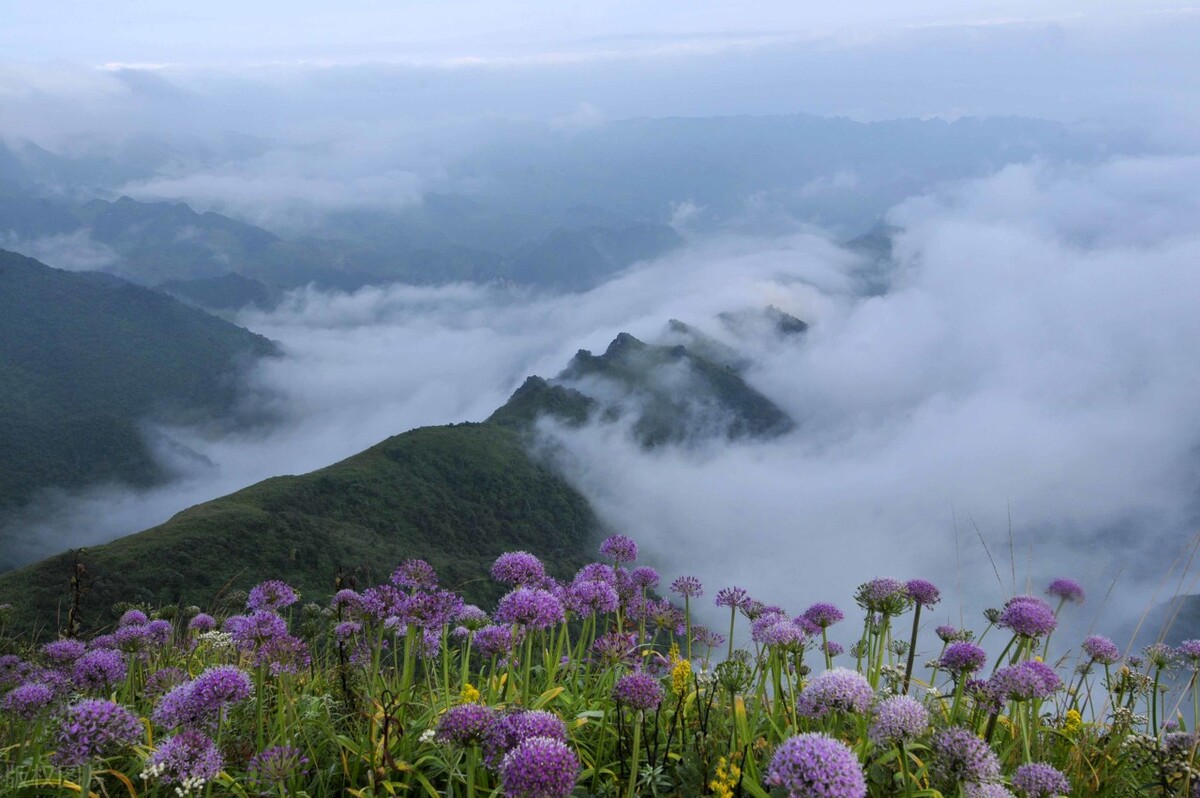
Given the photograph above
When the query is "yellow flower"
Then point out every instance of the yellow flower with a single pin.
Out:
(1074, 721)
(469, 694)
(725, 779)
(681, 671)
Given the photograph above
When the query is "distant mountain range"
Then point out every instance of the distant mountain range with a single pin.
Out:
(456, 495)
(86, 359)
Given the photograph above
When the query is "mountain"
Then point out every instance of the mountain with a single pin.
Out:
(87, 358)
(457, 496)
(670, 393)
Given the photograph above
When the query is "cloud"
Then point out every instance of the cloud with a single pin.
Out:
(71, 251)
(1028, 380)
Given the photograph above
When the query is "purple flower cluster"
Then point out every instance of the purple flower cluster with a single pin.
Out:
(271, 595)
(923, 593)
(1066, 590)
(638, 691)
(1189, 650)
(816, 766)
(1027, 616)
(532, 608)
(960, 758)
(733, 597)
(836, 690)
(61, 653)
(592, 596)
(133, 618)
(495, 641)
(1039, 780)
(415, 575)
(163, 680)
(949, 634)
(884, 596)
(466, 724)
(99, 669)
(1101, 649)
(687, 586)
(962, 657)
(645, 577)
(539, 767)
(26, 701)
(202, 622)
(513, 729)
(95, 728)
(898, 719)
(824, 614)
(519, 568)
(190, 758)
(619, 548)
(1026, 681)
(273, 767)
(200, 701)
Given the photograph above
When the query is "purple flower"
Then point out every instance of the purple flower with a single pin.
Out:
(271, 595)
(1027, 616)
(592, 596)
(962, 658)
(63, 652)
(961, 758)
(99, 669)
(732, 597)
(688, 586)
(779, 632)
(597, 572)
(202, 700)
(532, 608)
(13, 670)
(432, 609)
(949, 634)
(645, 577)
(159, 632)
(836, 690)
(886, 596)
(707, 637)
(346, 600)
(346, 630)
(619, 548)
(164, 679)
(638, 690)
(1190, 651)
(203, 622)
(923, 593)
(28, 700)
(95, 728)
(1101, 649)
(466, 724)
(274, 767)
(614, 647)
(816, 766)
(131, 638)
(1025, 681)
(415, 575)
(1039, 780)
(285, 654)
(252, 631)
(513, 729)
(133, 618)
(471, 617)
(1067, 590)
(494, 641)
(539, 767)
(519, 568)
(834, 649)
(189, 758)
(899, 719)
(1160, 655)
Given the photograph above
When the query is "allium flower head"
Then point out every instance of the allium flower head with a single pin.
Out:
(949, 634)
(886, 596)
(95, 728)
(63, 652)
(834, 649)
(190, 759)
(962, 657)
(519, 568)
(592, 596)
(13, 670)
(133, 618)
(638, 690)
(159, 631)
(1160, 655)
(513, 729)
(1101, 649)
(1027, 616)
(202, 622)
(733, 597)
(248, 632)
(201, 701)
(99, 669)
(836, 690)
(466, 724)
(960, 757)
(688, 586)
(26, 701)
(472, 617)
(615, 647)
(1025, 681)
(532, 608)
(1067, 590)
(816, 766)
(898, 719)
(271, 595)
(923, 593)
(164, 679)
(824, 614)
(346, 600)
(619, 548)
(539, 767)
(273, 767)
(415, 575)
(1039, 780)
(645, 577)
(1189, 651)
(494, 641)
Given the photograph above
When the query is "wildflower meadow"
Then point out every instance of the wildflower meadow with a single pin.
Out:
(601, 686)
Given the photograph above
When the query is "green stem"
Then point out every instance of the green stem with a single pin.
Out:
(633, 762)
